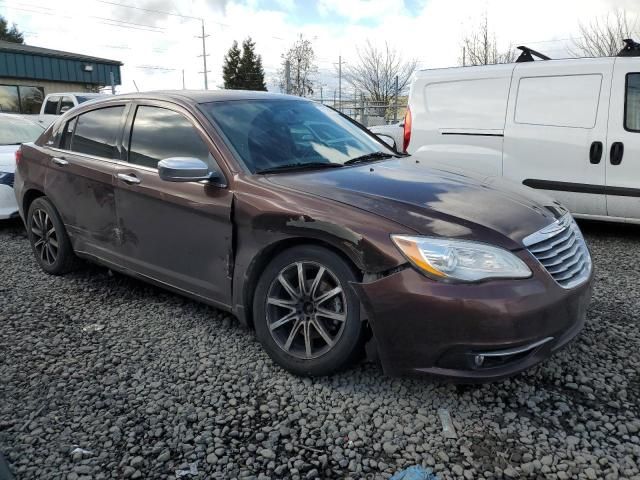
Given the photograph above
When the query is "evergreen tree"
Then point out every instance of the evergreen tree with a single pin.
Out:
(10, 34)
(230, 67)
(250, 71)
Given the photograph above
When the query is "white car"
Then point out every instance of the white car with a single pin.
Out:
(392, 135)
(569, 127)
(14, 131)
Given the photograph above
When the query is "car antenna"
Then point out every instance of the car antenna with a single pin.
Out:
(631, 48)
(528, 54)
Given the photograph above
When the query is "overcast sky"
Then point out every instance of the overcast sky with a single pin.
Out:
(156, 48)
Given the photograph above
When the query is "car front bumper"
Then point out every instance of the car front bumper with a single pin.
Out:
(8, 204)
(421, 326)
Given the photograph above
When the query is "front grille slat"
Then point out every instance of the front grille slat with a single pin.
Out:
(563, 253)
(547, 245)
(560, 259)
(560, 248)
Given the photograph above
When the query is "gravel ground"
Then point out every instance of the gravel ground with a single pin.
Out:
(147, 383)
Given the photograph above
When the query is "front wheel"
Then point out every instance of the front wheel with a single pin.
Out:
(306, 314)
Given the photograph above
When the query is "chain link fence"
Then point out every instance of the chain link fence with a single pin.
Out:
(369, 112)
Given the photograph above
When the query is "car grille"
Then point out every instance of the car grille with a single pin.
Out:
(561, 249)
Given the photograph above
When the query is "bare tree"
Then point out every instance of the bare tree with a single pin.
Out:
(302, 68)
(603, 36)
(376, 72)
(480, 48)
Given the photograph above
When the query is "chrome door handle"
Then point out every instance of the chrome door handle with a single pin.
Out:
(129, 179)
(59, 161)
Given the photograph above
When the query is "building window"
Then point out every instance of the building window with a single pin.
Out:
(21, 99)
(31, 99)
(9, 99)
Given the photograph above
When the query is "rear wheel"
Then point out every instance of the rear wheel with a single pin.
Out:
(306, 314)
(48, 237)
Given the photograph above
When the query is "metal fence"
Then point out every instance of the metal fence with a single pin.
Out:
(367, 111)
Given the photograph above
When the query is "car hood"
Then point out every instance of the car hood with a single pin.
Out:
(434, 202)
(8, 158)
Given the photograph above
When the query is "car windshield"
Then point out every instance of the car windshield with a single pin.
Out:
(271, 135)
(15, 130)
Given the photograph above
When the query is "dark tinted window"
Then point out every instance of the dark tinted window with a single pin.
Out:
(51, 107)
(31, 99)
(66, 104)
(159, 133)
(97, 131)
(9, 99)
(632, 106)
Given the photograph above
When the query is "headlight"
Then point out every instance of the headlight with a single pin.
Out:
(460, 260)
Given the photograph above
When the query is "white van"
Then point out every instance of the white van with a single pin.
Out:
(570, 127)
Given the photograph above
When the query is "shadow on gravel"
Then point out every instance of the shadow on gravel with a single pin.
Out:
(13, 227)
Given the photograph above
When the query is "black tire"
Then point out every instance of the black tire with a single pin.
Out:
(51, 246)
(325, 357)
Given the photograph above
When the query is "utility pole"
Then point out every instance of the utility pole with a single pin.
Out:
(204, 56)
(340, 83)
(183, 87)
(287, 77)
(395, 107)
(321, 100)
(464, 56)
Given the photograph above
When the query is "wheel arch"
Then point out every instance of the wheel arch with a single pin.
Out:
(264, 256)
(27, 199)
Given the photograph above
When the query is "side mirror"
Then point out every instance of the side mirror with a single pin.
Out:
(183, 169)
(64, 109)
(387, 139)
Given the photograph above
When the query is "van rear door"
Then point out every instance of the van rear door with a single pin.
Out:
(556, 130)
(623, 157)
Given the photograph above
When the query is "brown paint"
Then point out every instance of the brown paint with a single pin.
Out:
(210, 242)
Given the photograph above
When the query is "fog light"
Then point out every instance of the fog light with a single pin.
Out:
(478, 360)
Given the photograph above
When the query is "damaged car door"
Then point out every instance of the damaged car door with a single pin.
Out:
(175, 231)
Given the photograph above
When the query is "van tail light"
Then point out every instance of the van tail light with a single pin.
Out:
(407, 130)
(18, 155)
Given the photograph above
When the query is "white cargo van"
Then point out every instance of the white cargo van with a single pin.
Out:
(570, 127)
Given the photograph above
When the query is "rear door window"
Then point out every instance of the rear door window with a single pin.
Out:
(159, 133)
(51, 107)
(66, 104)
(96, 132)
(632, 103)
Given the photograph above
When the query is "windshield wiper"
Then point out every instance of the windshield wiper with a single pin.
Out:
(299, 166)
(369, 157)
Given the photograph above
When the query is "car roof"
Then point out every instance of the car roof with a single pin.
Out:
(205, 96)
(77, 94)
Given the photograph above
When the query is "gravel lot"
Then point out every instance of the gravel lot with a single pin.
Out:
(148, 382)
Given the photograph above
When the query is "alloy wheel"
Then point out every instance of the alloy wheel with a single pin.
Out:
(45, 238)
(306, 310)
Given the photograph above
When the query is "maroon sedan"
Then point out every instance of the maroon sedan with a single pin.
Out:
(310, 230)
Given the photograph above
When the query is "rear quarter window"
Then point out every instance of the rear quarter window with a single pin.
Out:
(559, 101)
(470, 104)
